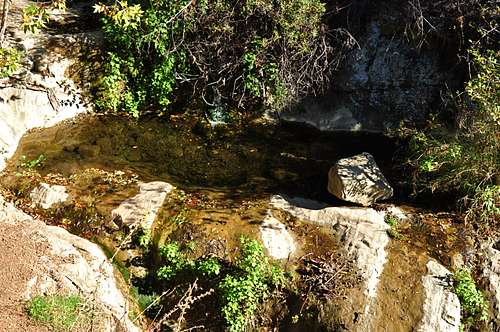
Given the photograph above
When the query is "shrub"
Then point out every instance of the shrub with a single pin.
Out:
(466, 157)
(474, 306)
(243, 53)
(36, 16)
(176, 262)
(10, 61)
(242, 292)
(242, 287)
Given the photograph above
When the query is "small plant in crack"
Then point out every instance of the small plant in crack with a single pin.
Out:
(393, 222)
(33, 163)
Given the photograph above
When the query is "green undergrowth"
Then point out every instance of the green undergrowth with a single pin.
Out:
(60, 312)
(393, 222)
(218, 53)
(242, 290)
(10, 61)
(463, 157)
(473, 303)
(240, 286)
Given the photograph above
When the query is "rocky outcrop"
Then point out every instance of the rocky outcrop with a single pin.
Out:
(66, 263)
(384, 80)
(441, 312)
(143, 208)
(52, 260)
(491, 272)
(47, 195)
(358, 179)
(24, 108)
(362, 231)
(41, 92)
(276, 238)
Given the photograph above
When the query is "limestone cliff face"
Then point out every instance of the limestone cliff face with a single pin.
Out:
(41, 93)
(385, 78)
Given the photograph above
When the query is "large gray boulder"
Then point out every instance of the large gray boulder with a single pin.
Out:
(50, 260)
(441, 312)
(358, 179)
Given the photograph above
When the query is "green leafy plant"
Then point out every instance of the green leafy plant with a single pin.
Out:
(218, 52)
(59, 312)
(144, 239)
(474, 305)
(465, 159)
(176, 262)
(242, 287)
(485, 205)
(10, 61)
(146, 301)
(36, 16)
(392, 221)
(242, 291)
(34, 163)
(209, 267)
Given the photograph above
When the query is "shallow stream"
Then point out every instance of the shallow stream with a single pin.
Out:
(225, 176)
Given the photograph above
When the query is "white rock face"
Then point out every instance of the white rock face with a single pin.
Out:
(40, 99)
(441, 305)
(491, 271)
(397, 212)
(47, 195)
(143, 207)
(71, 264)
(276, 238)
(22, 109)
(362, 231)
(359, 180)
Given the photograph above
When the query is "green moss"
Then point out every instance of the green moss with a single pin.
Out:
(59, 312)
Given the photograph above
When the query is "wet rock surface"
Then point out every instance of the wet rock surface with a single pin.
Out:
(47, 195)
(40, 93)
(142, 209)
(362, 231)
(384, 73)
(351, 245)
(276, 238)
(358, 179)
(356, 272)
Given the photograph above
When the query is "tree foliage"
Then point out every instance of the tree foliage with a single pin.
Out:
(226, 53)
(466, 158)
